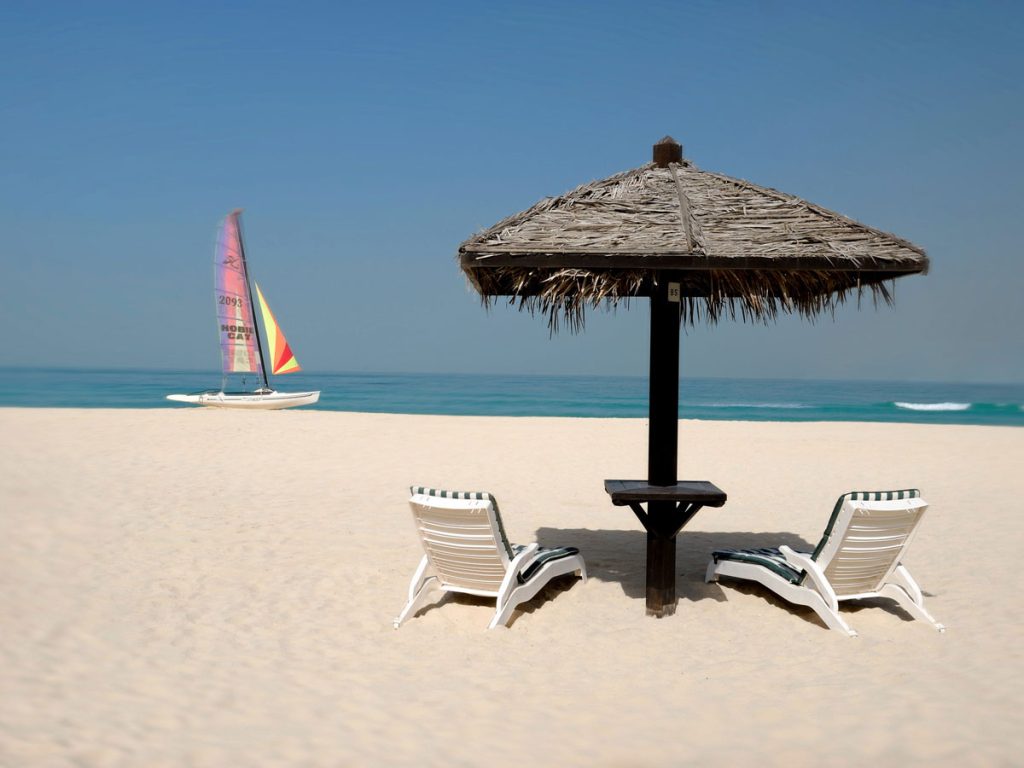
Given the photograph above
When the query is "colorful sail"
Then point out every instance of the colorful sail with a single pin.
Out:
(236, 325)
(282, 360)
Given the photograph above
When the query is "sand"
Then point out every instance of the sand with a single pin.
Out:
(200, 588)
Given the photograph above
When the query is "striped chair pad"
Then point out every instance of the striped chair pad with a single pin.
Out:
(543, 555)
(769, 557)
(440, 493)
(906, 493)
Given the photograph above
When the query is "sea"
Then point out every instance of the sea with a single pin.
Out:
(528, 395)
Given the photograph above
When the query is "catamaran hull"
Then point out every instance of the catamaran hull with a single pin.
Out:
(270, 401)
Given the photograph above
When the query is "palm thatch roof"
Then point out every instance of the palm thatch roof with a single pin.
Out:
(735, 248)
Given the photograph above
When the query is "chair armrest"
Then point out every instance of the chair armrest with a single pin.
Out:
(515, 567)
(804, 562)
(526, 554)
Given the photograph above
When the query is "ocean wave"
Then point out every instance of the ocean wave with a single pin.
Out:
(934, 406)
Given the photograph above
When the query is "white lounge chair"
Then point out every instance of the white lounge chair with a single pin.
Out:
(467, 551)
(858, 556)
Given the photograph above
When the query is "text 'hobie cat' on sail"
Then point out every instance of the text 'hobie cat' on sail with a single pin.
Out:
(241, 347)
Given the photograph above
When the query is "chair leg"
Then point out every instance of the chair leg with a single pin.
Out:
(503, 613)
(911, 606)
(791, 593)
(419, 589)
(417, 601)
(831, 617)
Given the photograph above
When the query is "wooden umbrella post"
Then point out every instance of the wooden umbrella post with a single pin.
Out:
(663, 445)
(663, 429)
(670, 503)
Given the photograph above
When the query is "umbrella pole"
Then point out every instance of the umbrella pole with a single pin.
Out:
(663, 446)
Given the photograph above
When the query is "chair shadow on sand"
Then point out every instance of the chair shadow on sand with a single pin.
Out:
(620, 556)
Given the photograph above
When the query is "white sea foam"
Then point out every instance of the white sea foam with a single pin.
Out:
(934, 406)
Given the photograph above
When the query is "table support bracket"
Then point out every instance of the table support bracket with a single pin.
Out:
(669, 522)
(669, 508)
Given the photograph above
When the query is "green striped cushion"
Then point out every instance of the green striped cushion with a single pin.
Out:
(440, 493)
(543, 555)
(769, 557)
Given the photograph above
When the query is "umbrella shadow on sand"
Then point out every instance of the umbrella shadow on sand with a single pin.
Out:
(618, 556)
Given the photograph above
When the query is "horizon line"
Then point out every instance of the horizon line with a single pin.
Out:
(682, 377)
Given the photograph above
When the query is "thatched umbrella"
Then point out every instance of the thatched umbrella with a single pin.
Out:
(700, 246)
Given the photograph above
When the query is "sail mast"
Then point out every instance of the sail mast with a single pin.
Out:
(248, 284)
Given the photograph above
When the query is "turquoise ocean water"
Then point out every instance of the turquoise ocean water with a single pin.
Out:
(586, 396)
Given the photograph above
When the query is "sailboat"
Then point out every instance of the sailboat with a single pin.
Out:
(241, 347)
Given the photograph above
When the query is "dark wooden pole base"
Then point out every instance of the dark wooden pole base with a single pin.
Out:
(669, 509)
(661, 562)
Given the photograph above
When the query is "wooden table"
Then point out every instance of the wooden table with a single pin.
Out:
(669, 508)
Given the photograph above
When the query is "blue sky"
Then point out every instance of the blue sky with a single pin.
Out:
(366, 142)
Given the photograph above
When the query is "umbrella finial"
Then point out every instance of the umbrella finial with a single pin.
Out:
(666, 151)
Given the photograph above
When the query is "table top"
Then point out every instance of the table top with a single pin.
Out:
(695, 491)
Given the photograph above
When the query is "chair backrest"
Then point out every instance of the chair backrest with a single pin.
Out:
(463, 538)
(866, 537)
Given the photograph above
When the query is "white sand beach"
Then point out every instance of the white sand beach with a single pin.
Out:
(205, 588)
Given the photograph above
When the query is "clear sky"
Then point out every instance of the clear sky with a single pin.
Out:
(366, 141)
